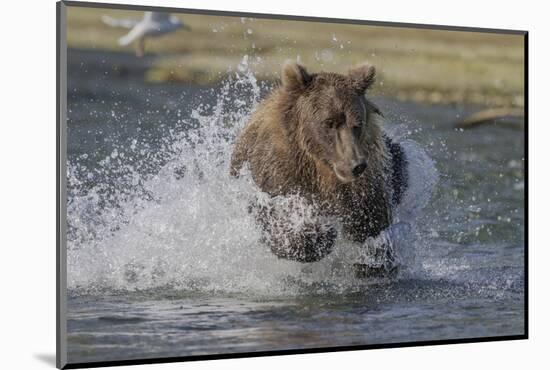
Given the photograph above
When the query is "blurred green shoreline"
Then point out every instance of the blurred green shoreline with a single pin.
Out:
(431, 66)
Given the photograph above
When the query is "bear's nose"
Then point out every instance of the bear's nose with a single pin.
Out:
(359, 169)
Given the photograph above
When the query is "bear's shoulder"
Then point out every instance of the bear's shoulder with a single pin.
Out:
(263, 145)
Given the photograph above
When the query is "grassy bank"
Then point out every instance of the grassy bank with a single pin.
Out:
(413, 64)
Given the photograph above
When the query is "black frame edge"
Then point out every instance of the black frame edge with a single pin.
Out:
(225, 13)
(526, 183)
(151, 361)
(61, 71)
(58, 363)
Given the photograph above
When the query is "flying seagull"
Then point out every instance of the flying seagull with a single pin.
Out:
(153, 24)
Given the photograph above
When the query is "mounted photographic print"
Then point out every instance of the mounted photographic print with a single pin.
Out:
(236, 184)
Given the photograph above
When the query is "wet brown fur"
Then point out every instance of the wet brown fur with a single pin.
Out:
(293, 143)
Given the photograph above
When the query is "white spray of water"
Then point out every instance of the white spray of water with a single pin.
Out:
(187, 226)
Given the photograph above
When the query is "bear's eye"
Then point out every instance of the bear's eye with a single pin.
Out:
(332, 123)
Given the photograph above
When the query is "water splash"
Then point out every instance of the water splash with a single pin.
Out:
(185, 225)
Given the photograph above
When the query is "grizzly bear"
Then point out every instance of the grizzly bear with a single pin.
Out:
(317, 136)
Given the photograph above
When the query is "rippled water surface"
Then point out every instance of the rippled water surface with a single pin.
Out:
(164, 259)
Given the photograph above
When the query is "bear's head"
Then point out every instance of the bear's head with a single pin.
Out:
(335, 123)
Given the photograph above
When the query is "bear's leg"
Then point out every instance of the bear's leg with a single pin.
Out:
(309, 244)
(379, 259)
(400, 177)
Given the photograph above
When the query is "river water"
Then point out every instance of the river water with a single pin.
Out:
(164, 259)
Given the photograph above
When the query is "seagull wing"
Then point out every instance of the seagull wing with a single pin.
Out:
(120, 23)
(137, 32)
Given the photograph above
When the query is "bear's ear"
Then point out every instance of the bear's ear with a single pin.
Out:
(294, 76)
(362, 77)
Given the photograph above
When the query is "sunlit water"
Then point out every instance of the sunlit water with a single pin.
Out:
(164, 258)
